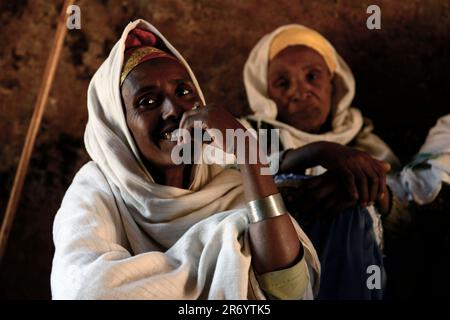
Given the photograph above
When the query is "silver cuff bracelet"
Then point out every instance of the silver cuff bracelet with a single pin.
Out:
(268, 207)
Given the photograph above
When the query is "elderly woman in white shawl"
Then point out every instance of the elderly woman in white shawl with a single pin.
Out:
(134, 225)
(297, 83)
(318, 108)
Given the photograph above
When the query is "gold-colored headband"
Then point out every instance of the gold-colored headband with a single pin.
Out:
(137, 56)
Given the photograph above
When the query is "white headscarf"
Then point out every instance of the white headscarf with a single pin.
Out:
(118, 234)
(347, 123)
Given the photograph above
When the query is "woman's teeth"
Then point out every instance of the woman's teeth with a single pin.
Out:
(170, 136)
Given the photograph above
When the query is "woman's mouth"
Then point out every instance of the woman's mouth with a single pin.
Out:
(309, 112)
(170, 135)
(168, 132)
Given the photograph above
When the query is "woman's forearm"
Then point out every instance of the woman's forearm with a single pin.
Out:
(300, 159)
(274, 244)
(274, 241)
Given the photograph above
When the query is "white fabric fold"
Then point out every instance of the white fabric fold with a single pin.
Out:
(420, 183)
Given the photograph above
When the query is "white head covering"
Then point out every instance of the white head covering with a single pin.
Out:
(184, 244)
(347, 122)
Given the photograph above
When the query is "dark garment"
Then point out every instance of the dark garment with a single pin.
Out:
(346, 246)
(417, 246)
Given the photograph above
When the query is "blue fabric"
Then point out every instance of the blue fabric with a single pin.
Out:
(346, 246)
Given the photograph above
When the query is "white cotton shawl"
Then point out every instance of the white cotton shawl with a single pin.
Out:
(120, 235)
(347, 123)
(423, 184)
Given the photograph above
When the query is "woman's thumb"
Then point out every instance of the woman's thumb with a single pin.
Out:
(386, 166)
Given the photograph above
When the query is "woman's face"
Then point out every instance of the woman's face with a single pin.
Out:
(301, 85)
(156, 94)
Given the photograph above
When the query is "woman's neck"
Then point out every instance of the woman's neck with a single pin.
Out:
(177, 176)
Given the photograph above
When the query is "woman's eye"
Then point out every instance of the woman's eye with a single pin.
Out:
(183, 91)
(282, 83)
(147, 102)
(313, 75)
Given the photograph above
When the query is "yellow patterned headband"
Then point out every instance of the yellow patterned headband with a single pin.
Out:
(307, 37)
(141, 55)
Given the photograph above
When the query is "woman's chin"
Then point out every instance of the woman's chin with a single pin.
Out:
(306, 127)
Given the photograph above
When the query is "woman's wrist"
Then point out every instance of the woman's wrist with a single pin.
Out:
(255, 171)
(257, 185)
(265, 208)
(299, 159)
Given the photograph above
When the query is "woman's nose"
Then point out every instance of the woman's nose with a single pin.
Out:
(299, 90)
(169, 109)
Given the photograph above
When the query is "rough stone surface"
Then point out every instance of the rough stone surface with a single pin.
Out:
(401, 75)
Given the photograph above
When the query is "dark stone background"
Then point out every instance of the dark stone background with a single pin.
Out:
(401, 75)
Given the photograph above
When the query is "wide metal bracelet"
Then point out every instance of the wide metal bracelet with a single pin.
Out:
(268, 207)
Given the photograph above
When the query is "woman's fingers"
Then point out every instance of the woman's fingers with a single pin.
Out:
(385, 166)
(190, 120)
(370, 176)
(314, 190)
(381, 181)
(324, 193)
(328, 186)
(183, 126)
(348, 179)
(381, 168)
(382, 192)
(321, 192)
(374, 183)
(362, 185)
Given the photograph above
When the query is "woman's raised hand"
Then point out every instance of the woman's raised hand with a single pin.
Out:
(215, 120)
